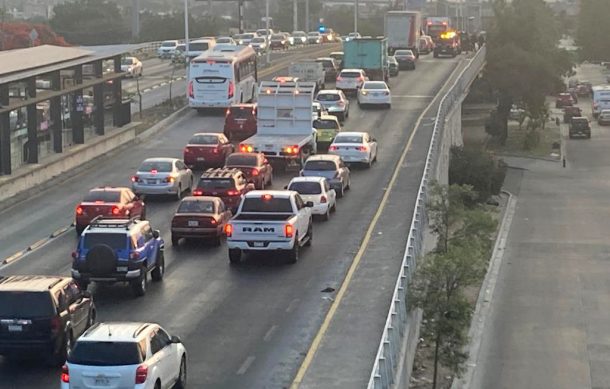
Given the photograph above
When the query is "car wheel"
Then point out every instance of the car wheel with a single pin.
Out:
(216, 241)
(309, 235)
(270, 182)
(139, 285)
(79, 230)
(179, 193)
(326, 215)
(92, 317)
(369, 164)
(234, 256)
(175, 240)
(159, 270)
(181, 383)
(349, 184)
(293, 254)
(143, 214)
(59, 358)
(334, 207)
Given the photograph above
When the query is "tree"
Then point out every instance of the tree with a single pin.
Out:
(91, 22)
(459, 261)
(476, 167)
(16, 35)
(593, 30)
(523, 60)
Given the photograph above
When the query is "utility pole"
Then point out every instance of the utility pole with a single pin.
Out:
(267, 48)
(240, 15)
(355, 15)
(186, 30)
(307, 16)
(135, 19)
(295, 13)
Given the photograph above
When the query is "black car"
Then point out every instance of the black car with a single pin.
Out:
(42, 316)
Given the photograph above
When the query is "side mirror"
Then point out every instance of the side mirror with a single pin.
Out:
(309, 204)
(301, 173)
(175, 339)
(156, 234)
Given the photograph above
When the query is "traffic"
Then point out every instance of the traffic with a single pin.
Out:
(283, 156)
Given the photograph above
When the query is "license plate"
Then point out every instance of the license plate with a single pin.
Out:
(268, 146)
(258, 244)
(15, 328)
(151, 181)
(200, 159)
(193, 223)
(121, 268)
(103, 381)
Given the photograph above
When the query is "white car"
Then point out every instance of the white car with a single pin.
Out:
(259, 44)
(350, 80)
(314, 37)
(299, 37)
(318, 191)
(226, 40)
(167, 48)
(162, 176)
(375, 93)
(355, 147)
(604, 117)
(125, 355)
(318, 110)
(132, 66)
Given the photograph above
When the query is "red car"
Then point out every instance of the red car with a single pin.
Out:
(564, 100)
(110, 202)
(240, 121)
(255, 166)
(200, 217)
(207, 150)
(228, 184)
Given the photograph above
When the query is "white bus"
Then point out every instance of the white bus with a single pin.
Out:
(217, 79)
(601, 99)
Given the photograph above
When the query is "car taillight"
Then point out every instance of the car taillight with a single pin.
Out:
(79, 210)
(190, 90)
(170, 179)
(65, 374)
(361, 148)
(339, 78)
(292, 149)
(233, 192)
(288, 230)
(228, 230)
(323, 199)
(135, 179)
(228, 111)
(141, 374)
(115, 210)
(231, 89)
(213, 221)
(55, 325)
(134, 255)
(341, 104)
(332, 148)
(187, 150)
(197, 192)
(255, 172)
(246, 148)
(74, 254)
(361, 79)
(215, 150)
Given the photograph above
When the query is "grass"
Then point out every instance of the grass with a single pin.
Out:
(521, 143)
(153, 115)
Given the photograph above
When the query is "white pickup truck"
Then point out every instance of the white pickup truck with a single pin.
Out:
(309, 70)
(270, 221)
(284, 128)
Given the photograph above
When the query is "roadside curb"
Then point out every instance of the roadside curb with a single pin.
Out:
(486, 294)
(36, 245)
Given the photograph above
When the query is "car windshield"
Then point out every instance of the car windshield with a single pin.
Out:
(277, 37)
(199, 46)
(194, 206)
(106, 196)
(306, 188)
(325, 124)
(117, 241)
(348, 139)
(127, 61)
(216, 183)
(327, 166)
(328, 97)
(168, 44)
(258, 204)
(180, 47)
(106, 354)
(241, 160)
(350, 74)
(25, 305)
(159, 166)
(403, 52)
(241, 112)
(258, 40)
(224, 40)
(374, 85)
(298, 34)
(314, 34)
(248, 36)
(204, 140)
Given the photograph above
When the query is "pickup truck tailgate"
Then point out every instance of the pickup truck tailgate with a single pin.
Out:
(258, 233)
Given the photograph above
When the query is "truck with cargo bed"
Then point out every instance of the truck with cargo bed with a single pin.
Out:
(285, 132)
(368, 54)
(403, 30)
(310, 71)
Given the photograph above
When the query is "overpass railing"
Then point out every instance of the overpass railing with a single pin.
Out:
(383, 374)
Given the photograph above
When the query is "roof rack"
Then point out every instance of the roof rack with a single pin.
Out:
(95, 222)
(52, 284)
(222, 172)
(139, 330)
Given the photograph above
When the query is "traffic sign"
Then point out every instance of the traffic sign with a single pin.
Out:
(33, 35)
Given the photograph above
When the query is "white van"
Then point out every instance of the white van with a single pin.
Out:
(199, 46)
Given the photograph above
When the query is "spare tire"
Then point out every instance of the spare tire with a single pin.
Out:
(101, 260)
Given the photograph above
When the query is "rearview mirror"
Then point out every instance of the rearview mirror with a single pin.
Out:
(156, 234)
(309, 204)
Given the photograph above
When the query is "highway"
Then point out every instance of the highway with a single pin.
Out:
(245, 326)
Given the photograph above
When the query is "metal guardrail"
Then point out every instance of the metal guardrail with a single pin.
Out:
(384, 370)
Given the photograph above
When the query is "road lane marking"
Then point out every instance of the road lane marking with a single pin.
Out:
(315, 344)
(412, 97)
(292, 305)
(246, 365)
(270, 333)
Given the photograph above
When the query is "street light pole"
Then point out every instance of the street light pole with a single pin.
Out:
(186, 29)
(355, 15)
(267, 37)
(295, 19)
(307, 15)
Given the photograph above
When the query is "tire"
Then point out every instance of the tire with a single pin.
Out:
(326, 216)
(234, 256)
(79, 230)
(181, 383)
(334, 207)
(293, 254)
(179, 193)
(349, 184)
(309, 235)
(159, 270)
(175, 240)
(59, 358)
(216, 241)
(340, 192)
(139, 286)
(91, 318)
(143, 214)
(270, 182)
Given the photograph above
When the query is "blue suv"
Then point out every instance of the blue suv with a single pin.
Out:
(119, 250)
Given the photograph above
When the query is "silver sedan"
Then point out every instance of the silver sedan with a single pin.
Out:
(335, 103)
(162, 176)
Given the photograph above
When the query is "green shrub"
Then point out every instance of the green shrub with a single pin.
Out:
(478, 168)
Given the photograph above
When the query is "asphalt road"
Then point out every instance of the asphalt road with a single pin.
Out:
(247, 326)
(548, 326)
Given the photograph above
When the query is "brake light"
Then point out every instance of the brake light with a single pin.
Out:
(55, 325)
(323, 199)
(341, 104)
(134, 255)
(135, 179)
(361, 78)
(170, 179)
(197, 192)
(233, 192)
(115, 210)
(231, 89)
(255, 172)
(65, 374)
(227, 112)
(215, 150)
(79, 210)
(246, 148)
(213, 221)
(74, 254)
(141, 374)
(362, 148)
(190, 90)
(339, 78)
(187, 150)
(228, 230)
(332, 148)
(288, 230)
(292, 149)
